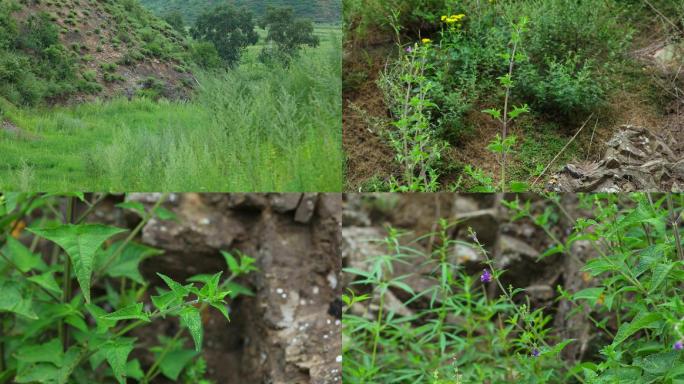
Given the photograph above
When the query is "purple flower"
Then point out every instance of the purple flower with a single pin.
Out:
(486, 276)
(409, 49)
(679, 345)
(535, 352)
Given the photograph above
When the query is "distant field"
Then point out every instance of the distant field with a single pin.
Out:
(251, 129)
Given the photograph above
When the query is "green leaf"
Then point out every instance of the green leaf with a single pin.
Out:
(39, 373)
(660, 272)
(132, 312)
(238, 289)
(175, 361)
(164, 301)
(136, 206)
(222, 308)
(46, 281)
(134, 370)
(233, 265)
(128, 262)
(179, 290)
(22, 257)
(50, 352)
(80, 242)
(71, 360)
(642, 320)
(164, 214)
(11, 300)
(590, 294)
(658, 363)
(116, 354)
(99, 314)
(191, 318)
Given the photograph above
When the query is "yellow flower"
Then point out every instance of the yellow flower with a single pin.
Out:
(444, 18)
(453, 18)
(426, 41)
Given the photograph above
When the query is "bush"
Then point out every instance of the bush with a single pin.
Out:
(205, 55)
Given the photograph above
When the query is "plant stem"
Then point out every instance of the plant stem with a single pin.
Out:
(675, 227)
(153, 371)
(66, 288)
(376, 338)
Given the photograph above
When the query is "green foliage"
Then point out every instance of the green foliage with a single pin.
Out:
(52, 334)
(455, 332)
(205, 55)
(230, 29)
(270, 128)
(175, 20)
(288, 34)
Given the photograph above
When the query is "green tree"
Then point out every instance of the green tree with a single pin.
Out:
(288, 34)
(175, 20)
(205, 55)
(230, 29)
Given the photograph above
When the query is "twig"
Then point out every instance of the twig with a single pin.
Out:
(592, 139)
(561, 151)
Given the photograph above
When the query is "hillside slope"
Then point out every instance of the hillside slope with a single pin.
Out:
(322, 11)
(102, 47)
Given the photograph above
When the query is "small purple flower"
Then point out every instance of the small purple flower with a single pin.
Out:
(409, 49)
(486, 276)
(679, 345)
(535, 352)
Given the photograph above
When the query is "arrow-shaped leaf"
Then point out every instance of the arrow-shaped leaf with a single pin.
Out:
(80, 242)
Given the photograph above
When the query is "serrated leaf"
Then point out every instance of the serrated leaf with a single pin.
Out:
(175, 361)
(221, 308)
(660, 272)
(116, 354)
(22, 257)
(39, 373)
(50, 352)
(164, 301)
(233, 265)
(72, 358)
(641, 321)
(80, 242)
(128, 262)
(99, 314)
(46, 281)
(191, 318)
(179, 290)
(659, 362)
(11, 300)
(591, 294)
(132, 312)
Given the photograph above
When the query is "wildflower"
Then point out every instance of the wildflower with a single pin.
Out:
(535, 352)
(426, 41)
(453, 19)
(679, 345)
(486, 276)
(409, 49)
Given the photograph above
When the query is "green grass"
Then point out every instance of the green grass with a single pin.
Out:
(254, 128)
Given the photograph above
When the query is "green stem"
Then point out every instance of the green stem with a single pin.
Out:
(154, 371)
(66, 288)
(376, 338)
(675, 227)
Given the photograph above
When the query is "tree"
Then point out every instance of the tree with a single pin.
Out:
(290, 35)
(175, 20)
(230, 29)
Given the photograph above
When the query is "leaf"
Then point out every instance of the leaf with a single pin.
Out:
(191, 318)
(132, 312)
(46, 281)
(134, 370)
(238, 289)
(659, 363)
(233, 265)
(128, 262)
(50, 352)
(164, 214)
(642, 320)
(591, 294)
(71, 360)
(178, 290)
(11, 300)
(660, 272)
(39, 373)
(164, 301)
(99, 314)
(22, 257)
(80, 242)
(116, 354)
(175, 361)
(136, 206)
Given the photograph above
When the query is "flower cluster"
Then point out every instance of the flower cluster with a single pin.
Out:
(453, 19)
(486, 276)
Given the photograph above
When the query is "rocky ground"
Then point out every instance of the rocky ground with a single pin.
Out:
(289, 331)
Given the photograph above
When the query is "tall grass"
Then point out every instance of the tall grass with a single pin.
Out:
(255, 128)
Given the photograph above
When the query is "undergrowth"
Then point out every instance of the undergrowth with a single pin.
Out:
(253, 128)
(464, 328)
(74, 301)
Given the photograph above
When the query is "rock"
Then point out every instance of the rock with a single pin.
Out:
(285, 202)
(484, 223)
(636, 160)
(306, 208)
(464, 254)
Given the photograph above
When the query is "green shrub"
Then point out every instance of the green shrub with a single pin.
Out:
(205, 55)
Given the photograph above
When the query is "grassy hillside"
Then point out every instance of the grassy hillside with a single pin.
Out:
(254, 128)
(323, 11)
(75, 49)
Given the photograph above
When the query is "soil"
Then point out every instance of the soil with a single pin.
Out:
(289, 331)
(368, 155)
